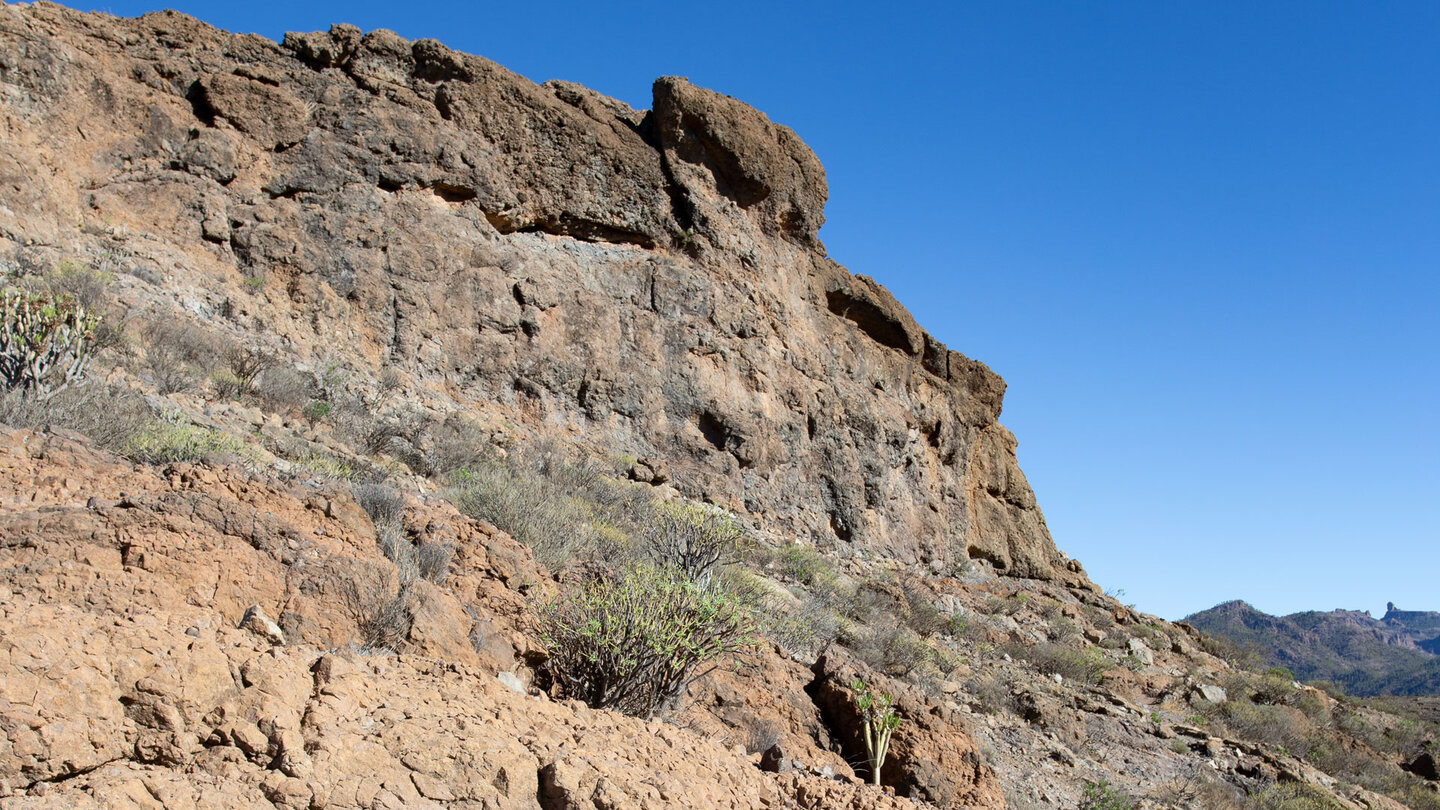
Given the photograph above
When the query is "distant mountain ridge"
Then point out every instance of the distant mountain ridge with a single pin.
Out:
(1397, 654)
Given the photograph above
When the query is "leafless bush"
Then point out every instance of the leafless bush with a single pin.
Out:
(761, 735)
(455, 444)
(282, 388)
(992, 696)
(389, 379)
(383, 617)
(111, 417)
(433, 561)
(177, 354)
(243, 365)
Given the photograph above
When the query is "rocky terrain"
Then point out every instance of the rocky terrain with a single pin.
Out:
(1397, 654)
(400, 350)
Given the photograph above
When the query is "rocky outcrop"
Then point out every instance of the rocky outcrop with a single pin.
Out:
(649, 282)
(932, 758)
(139, 668)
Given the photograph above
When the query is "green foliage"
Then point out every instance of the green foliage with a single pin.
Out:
(45, 341)
(633, 642)
(694, 540)
(165, 441)
(878, 721)
(1102, 796)
(316, 411)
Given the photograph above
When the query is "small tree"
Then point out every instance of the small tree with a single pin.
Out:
(634, 641)
(45, 341)
(878, 721)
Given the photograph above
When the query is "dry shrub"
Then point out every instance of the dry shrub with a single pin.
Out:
(386, 507)
(282, 388)
(1083, 665)
(802, 630)
(1282, 726)
(761, 735)
(455, 444)
(527, 506)
(992, 695)
(380, 614)
(888, 646)
(1291, 796)
(111, 417)
(432, 561)
(177, 355)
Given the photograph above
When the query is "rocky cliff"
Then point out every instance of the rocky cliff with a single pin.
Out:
(647, 281)
(354, 284)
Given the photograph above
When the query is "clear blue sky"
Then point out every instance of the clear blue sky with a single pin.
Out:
(1200, 240)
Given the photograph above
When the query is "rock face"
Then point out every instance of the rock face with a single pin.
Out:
(650, 282)
(133, 674)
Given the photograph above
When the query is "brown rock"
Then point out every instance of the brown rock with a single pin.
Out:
(733, 149)
(932, 756)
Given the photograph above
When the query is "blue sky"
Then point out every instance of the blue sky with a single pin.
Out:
(1200, 241)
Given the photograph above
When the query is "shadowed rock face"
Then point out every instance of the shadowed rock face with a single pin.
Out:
(649, 282)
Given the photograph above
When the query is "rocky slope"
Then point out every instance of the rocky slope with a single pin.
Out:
(1393, 655)
(348, 268)
(541, 254)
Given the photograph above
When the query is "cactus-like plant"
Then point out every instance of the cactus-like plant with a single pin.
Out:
(633, 641)
(878, 721)
(45, 341)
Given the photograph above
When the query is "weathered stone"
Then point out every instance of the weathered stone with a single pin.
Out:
(258, 623)
(1141, 651)
(1210, 693)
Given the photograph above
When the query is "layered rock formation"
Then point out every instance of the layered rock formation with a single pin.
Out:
(124, 682)
(650, 282)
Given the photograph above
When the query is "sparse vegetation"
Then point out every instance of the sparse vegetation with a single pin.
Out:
(1102, 796)
(632, 642)
(878, 721)
(172, 439)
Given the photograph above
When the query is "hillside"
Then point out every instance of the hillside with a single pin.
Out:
(1393, 655)
(382, 429)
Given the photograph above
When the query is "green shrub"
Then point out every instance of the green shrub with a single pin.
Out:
(633, 642)
(166, 441)
(1101, 796)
